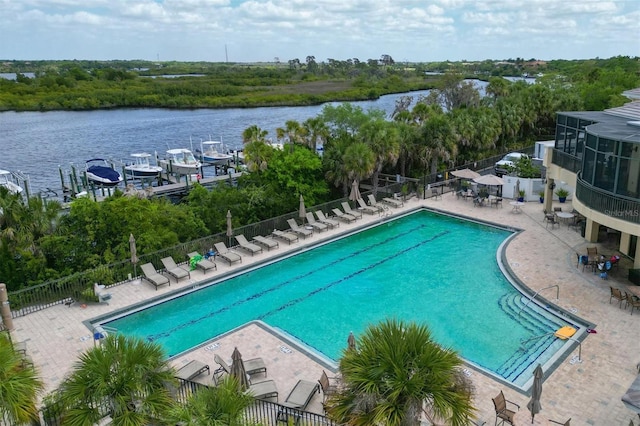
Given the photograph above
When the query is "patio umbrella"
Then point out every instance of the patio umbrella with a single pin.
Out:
(229, 227)
(465, 174)
(134, 253)
(237, 369)
(302, 213)
(536, 392)
(355, 192)
(491, 180)
(351, 341)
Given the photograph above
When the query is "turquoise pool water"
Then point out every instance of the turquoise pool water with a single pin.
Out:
(424, 267)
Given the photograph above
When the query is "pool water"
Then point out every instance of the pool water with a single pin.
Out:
(429, 268)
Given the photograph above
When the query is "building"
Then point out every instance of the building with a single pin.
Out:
(598, 154)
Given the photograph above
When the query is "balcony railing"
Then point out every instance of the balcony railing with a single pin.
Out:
(566, 161)
(611, 205)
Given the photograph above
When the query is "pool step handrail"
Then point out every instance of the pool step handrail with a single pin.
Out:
(522, 342)
(538, 292)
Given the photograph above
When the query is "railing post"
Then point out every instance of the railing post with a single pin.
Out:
(5, 309)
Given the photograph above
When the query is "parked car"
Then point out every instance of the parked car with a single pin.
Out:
(508, 162)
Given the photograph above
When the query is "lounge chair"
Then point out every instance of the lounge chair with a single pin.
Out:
(288, 237)
(192, 369)
(393, 201)
(251, 366)
(98, 290)
(298, 399)
(203, 264)
(329, 222)
(327, 387)
(374, 203)
(502, 412)
(174, 270)
(227, 254)
(263, 390)
(347, 209)
(567, 423)
(316, 225)
(303, 232)
(150, 274)
(345, 217)
(368, 209)
(265, 242)
(247, 246)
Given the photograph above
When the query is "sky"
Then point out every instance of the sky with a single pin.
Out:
(263, 30)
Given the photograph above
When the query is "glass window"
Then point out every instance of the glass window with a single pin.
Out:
(605, 171)
(561, 119)
(580, 144)
(592, 140)
(608, 146)
(572, 122)
(627, 149)
(560, 131)
(588, 165)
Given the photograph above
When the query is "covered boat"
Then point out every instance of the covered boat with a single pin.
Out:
(101, 173)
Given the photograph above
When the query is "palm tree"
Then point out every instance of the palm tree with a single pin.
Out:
(396, 374)
(127, 374)
(19, 385)
(359, 162)
(223, 405)
(253, 134)
(383, 139)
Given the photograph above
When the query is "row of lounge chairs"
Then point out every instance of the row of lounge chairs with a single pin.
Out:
(319, 223)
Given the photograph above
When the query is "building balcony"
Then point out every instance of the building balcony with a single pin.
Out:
(616, 206)
(566, 161)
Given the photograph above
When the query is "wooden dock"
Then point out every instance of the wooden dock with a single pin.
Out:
(184, 185)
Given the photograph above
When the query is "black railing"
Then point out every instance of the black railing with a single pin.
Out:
(611, 205)
(260, 412)
(566, 161)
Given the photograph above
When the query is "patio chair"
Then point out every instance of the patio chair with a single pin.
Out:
(227, 254)
(347, 209)
(174, 270)
(192, 369)
(345, 217)
(327, 387)
(152, 276)
(285, 236)
(374, 203)
(247, 246)
(503, 414)
(203, 264)
(299, 230)
(316, 225)
(297, 400)
(265, 242)
(567, 423)
(553, 221)
(330, 222)
(363, 207)
(633, 301)
(98, 290)
(592, 251)
(617, 294)
(251, 366)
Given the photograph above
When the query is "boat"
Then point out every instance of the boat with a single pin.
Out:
(142, 168)
(101, 173)
(211, 153)
(181, 161)
(5, 181)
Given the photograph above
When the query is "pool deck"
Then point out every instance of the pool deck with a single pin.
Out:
(589, 391)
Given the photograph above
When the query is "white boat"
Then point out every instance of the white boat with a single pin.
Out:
(211, 152)
(101, 173)
(181, 161)
(142, 168)
(5, 181)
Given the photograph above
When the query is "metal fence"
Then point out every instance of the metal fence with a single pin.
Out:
(607, 203)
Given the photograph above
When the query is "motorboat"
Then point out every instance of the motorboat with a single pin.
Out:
(181, 161)
(101, 173)
(5, 181)
(142, 168)
(212, 153)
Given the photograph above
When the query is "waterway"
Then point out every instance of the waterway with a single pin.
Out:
(39, 144)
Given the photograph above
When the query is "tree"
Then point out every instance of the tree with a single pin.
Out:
(223, 405)
(383, 139)
(396, 374)
(128, 374)
(19, 385)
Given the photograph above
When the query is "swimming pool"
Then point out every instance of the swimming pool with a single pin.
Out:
(423, 267)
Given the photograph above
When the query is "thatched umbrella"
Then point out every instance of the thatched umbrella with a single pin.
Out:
(465, 174)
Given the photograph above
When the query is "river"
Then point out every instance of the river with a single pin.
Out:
(39, 144)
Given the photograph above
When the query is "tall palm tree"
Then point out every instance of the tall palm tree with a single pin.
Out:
(253, 134)
(359, 162)
(223, 405)
(383, 139)
(127, 374)
(19, 386)
(396, 374)
(316, 130)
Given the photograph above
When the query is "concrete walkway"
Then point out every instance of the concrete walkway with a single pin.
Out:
(589, 392)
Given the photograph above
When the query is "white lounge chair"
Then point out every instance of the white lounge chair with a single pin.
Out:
(247, 246)
(368, 209)
(227, 254)
(393, 201)
(265, 242)
(316, 225)
(303, 232)
(203, 264)
(347, 209)
(330, 222)
(174, 270)
(289, 237)
(345, 217)
(150, 274)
